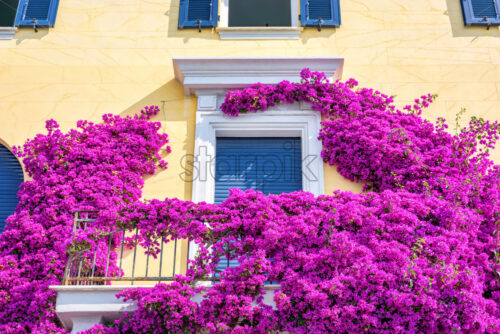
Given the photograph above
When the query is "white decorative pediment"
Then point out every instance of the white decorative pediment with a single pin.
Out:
(201, 73)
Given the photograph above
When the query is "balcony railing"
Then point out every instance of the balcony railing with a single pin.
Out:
(86, 297)
(125, 260)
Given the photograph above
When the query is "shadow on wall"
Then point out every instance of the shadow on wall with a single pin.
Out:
(29, 33)
(454, 12)
(174, 107)
(313, 33)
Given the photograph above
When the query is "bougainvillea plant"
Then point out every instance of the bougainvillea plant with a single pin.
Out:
(97, 167)
(417, 252)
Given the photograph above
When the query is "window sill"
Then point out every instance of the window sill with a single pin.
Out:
(7, 32)
(259, 32)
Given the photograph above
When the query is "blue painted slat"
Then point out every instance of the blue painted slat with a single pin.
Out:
(11, 177)
(44, 11)
(481, 12)
(38, 9)
(270, 165)
(320, 9)
(199, 9)
(312, 11)
(482, 8)
(190, 11)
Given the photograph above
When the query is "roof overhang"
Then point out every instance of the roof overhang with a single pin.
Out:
(201, 73)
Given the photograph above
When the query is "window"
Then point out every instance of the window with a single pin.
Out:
(209, 78)
(260, 13)
(270, 165)
(259, 19)
(11, 177)
(481, 12)
(26, 13)
(8, 10)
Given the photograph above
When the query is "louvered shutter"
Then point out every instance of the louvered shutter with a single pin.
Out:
(324, 13)
(481, 12)
(43, 11)
(11, 177)
(198, 13)
(270, 165)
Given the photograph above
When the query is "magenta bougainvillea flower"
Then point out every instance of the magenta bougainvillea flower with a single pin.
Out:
(417, 252)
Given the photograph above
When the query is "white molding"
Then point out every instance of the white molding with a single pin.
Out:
(197, 73)
(260, 33)
(7, 32)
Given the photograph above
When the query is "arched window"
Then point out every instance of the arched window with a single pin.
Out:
(11, 177)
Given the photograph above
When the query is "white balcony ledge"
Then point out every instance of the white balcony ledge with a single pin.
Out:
(81, 307)
(7, 32)
(259, 32)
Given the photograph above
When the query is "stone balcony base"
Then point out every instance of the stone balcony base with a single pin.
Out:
(81, 307)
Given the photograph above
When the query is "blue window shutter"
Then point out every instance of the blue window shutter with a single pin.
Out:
(11, 177)
(481, 12)
(198, 13)
(270, 165)
(324, 13)
(43, 11)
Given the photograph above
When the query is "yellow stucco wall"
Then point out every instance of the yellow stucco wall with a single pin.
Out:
(115, 56)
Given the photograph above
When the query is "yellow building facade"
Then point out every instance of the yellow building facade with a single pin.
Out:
(117, 56)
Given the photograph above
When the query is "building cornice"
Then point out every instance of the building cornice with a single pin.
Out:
(200, 73)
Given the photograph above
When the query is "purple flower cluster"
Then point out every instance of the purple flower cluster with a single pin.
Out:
(97, 167)
(418, 252)
(384, 262)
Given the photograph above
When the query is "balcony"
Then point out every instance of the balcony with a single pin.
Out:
(115, 262)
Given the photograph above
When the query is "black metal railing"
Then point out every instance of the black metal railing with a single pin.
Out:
(117, 256)
(125, 260)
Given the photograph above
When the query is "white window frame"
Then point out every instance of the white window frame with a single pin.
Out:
(286, 120)
(289, 120)
(227, 32)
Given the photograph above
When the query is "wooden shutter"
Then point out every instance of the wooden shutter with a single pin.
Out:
(481, 12)
(324, 13)
(43, 11)
(11, 177)
(198, 13)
